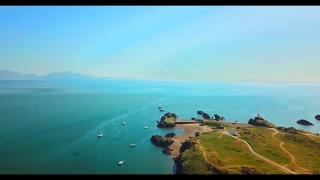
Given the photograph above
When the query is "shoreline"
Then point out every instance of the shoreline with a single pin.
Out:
(189, 131)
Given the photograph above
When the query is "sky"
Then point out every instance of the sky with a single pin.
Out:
(201, 43)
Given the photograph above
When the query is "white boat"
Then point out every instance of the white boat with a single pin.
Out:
(100, 134)
(146, 127)
(132, 145)
(121, 162)
(123, 123)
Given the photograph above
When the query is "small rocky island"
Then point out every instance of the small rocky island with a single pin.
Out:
(207, 116)
(304, 122)
(167, 120)
(260, 121)
(161, 110)
(163, 142)
(317, 117)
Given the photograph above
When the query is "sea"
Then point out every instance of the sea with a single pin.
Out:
(50, 127)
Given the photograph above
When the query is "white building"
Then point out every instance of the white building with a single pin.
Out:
(233, 133)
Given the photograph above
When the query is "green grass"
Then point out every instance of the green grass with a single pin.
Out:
(170, 121)
(261, 141)
(194, 162)
(315, 137)
(211, 123)
(231, 155)
(227, 152)
(305, 150)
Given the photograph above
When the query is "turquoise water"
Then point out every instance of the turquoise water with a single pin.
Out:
(51, 127)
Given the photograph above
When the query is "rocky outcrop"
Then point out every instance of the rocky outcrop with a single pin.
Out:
(203, 114)
(188, 144)
(163, 142)
(317, 117)
(259, 121)
(291, 130)
(304, 122)
(200, 112)
(167, 120)
(218, 118)
(170, 135)
(207, 116)
(179, 164)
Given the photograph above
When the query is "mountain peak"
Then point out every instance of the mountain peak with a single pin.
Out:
(65, 75)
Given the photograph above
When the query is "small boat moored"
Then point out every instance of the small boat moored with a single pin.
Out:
(146, 127)
(132, 145)
(123, 123)
(121, 162)
(100, 134)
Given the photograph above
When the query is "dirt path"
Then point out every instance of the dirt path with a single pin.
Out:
(205, 156)
(292, 157)
(204, 153)
(189, 131)
(310, 136)
(261, 157)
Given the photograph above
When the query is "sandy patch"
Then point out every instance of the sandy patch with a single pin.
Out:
(189, 131)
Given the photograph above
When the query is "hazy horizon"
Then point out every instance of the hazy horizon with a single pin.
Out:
(189, 43)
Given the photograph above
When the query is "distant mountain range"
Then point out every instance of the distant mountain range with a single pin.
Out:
(10, 75)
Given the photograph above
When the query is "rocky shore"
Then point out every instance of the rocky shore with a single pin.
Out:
(175, 145)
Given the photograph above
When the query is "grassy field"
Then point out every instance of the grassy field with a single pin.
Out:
(231, 154)
(300, 153)
(194, 162)
(211, 123)
(314, 137)
(305, 150)
(261, 141)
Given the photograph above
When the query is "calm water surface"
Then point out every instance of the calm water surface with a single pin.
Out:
(51, 127)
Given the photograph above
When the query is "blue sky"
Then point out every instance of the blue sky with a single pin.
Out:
(222, 43)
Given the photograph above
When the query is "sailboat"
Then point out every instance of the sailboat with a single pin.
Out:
(100, 134)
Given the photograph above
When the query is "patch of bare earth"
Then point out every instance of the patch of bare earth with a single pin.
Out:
(189, 131)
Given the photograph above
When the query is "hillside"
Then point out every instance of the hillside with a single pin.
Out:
(10, 75)
(275, 152)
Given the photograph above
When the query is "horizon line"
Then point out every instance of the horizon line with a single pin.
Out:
(147, 79)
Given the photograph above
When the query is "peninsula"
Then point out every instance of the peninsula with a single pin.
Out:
(212, 146)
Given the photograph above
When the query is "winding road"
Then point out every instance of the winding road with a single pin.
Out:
(261, 157)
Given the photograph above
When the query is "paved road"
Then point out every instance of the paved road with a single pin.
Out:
(259, 156)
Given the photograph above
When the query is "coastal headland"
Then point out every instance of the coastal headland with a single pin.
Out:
(213, 146)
